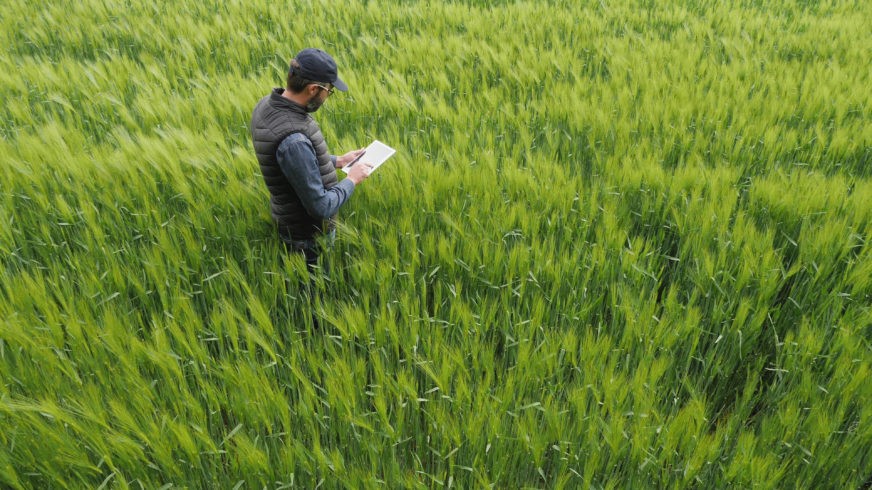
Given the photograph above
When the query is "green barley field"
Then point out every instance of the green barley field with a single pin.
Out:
(622, 245)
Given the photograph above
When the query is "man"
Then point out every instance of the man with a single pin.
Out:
(299, 171)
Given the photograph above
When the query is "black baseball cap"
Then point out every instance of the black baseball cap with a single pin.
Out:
(318, 66)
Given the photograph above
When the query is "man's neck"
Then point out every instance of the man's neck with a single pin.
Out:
(298, 98)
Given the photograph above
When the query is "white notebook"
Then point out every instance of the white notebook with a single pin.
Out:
(375, 154)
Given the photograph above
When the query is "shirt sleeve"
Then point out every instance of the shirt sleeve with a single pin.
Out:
(296, 157)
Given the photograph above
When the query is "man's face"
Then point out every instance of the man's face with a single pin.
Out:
(319, 97)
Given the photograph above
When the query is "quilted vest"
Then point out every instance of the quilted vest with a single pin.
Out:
(274, 119)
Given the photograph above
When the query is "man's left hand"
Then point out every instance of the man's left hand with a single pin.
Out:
(348, 157)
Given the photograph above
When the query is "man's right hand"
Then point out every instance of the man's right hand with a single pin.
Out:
(359, 172)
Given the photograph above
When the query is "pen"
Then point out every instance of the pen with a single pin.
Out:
(355, 160)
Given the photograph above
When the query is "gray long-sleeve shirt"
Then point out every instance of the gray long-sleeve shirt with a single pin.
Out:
(296, 157)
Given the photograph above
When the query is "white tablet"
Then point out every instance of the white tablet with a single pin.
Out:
(375, 154)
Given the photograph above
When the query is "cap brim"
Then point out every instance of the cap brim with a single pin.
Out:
(340, 85)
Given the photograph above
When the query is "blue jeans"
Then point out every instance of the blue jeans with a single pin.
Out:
(311, 249)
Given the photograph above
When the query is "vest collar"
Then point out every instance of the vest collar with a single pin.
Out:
(276, 100)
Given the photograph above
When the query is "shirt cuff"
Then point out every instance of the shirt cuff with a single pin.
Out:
(348, 185)
(333, 159)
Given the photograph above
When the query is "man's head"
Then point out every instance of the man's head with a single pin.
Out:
(312, 75)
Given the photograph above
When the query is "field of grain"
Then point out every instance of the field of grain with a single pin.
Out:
(622, 245)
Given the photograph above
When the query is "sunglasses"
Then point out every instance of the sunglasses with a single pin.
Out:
(329, 90)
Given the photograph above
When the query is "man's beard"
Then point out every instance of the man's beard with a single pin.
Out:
(314, 103)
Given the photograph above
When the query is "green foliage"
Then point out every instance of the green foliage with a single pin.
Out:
(621, 245)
